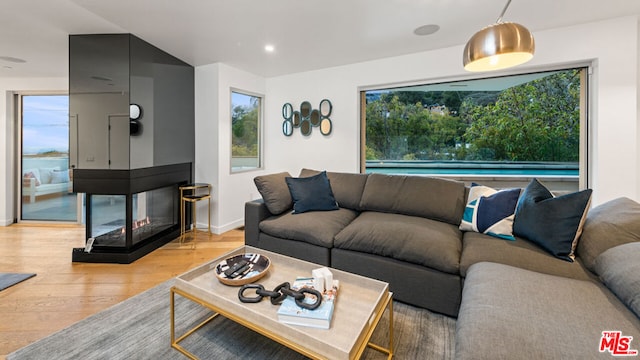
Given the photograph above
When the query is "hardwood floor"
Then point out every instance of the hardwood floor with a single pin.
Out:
(64, 292)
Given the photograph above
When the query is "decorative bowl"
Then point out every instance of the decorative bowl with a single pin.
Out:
(258, 267)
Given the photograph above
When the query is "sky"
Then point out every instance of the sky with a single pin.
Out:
(239, 99)
(45, 123)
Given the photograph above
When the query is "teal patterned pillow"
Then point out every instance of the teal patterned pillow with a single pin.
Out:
(490, 211)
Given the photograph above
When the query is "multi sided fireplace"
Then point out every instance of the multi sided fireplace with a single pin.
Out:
(131, 143)
(129, 213)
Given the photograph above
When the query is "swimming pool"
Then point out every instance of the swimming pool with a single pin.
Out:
(526, 169)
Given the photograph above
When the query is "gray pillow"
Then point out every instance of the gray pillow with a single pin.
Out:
(619, 269)
(275, 192)
(613, 223)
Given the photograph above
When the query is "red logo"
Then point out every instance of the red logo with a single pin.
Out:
(617, 344)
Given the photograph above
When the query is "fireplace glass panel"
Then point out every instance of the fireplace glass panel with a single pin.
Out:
(108, 219)
(151, 213)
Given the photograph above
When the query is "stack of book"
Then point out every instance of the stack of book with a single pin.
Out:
(290, 313)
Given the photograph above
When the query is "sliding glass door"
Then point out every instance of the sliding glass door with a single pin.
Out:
(45, 183)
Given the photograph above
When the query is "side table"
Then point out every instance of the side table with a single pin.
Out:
(192, 193)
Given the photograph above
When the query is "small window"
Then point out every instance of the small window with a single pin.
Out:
(246, 123)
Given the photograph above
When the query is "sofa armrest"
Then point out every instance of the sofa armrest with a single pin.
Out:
(29, 189)
(29, 183)
(254, 212)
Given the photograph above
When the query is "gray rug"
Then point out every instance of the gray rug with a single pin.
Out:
(10, 279)
(139, 328)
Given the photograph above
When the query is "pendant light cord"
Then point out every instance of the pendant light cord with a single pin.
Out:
(503, 11)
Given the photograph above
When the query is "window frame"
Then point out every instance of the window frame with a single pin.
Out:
(586, 111)
(18, 151)
(259, 127)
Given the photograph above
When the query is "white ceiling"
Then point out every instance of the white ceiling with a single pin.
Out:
(307, 34)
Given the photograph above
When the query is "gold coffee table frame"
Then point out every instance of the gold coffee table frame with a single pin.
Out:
(286, 334)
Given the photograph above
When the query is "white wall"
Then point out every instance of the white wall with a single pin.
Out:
(7, 135)
(213, 143)
(612, 47)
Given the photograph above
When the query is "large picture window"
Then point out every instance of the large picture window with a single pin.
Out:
(527, 125)
(246, 120)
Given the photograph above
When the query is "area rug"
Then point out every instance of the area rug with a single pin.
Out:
(10, 279)
(139, 328)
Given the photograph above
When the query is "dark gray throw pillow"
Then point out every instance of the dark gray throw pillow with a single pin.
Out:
(274, 191)
(311, 193)
(553, 223)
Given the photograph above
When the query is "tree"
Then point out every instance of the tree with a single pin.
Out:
(538, 120)
(535, 121)
(244, 128)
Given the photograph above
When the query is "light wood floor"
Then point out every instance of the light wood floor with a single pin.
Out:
(64, 292)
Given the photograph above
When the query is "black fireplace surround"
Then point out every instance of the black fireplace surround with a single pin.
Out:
(131, 178)
(130, 213)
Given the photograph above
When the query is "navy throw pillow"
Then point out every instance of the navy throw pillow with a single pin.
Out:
(554, 223)
(311, 193)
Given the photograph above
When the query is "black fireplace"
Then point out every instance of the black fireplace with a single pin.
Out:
(131, 143)
(130, 213)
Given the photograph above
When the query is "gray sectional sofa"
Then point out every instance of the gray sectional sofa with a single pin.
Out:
(510, 297)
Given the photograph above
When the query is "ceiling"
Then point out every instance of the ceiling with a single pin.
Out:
(306, 34)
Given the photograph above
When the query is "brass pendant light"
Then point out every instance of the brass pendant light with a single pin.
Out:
(498, 46)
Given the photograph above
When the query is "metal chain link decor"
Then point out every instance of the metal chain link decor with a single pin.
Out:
(279, 294)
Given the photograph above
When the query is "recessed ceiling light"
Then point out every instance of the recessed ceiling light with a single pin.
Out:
(269, 48)
(426, 29)
(12, 59)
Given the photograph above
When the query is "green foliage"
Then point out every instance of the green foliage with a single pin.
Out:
(397, 130)
(244, 129)
(371, 154)
(534, 121)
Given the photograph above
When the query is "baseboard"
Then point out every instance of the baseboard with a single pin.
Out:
(224, 228)
(6, 222)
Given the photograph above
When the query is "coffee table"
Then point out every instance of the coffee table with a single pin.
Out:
(360, 305)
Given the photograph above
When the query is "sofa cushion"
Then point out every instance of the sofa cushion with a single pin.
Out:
(490, 211)
(315, 227)
(46, 174)
(311, 193)
(610, 224)
(59, 176)
(428, 197)
(508, 313)
(275, 192)
(413, 239)
(347, 187)
(619, 269)
(521, 253)
(554, 223)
